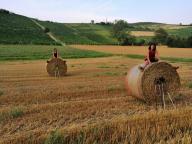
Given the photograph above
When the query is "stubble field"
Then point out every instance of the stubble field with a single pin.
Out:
(164, 51)
(89, 105)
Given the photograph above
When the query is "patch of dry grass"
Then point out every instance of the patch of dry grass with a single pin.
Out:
(142, 33)
(94, 105)
(172, 126)
(164, 51)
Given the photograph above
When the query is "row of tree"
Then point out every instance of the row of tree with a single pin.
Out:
(120, 32)
(162, 37)
(4, 11)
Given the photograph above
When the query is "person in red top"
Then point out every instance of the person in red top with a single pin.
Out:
(152, 56)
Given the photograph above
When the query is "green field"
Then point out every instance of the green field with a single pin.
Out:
(16, 29)
(36, 52)
(81, 33)
(183, 32)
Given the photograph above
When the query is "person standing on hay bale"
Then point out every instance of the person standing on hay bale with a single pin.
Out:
(55, 53)
(56, 66)
(152, 56)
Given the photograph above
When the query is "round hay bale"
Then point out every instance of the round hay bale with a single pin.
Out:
(56, 67)
(143, 85)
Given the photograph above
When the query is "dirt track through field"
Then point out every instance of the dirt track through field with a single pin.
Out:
(92, 91)
(49, 33)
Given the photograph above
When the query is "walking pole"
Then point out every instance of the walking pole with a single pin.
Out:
(171, 100)
(55, 69)
(161, 95)
(162, 87)
(156, 98)
(55, 73)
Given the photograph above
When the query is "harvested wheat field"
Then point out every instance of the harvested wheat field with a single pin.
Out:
(89, 105)
(140, 50)
(142, 33)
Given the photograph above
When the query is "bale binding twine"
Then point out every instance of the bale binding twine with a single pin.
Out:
(56, 67)
(145, 84)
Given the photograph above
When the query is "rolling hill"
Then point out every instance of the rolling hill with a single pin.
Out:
(81, 33)
(17, 29)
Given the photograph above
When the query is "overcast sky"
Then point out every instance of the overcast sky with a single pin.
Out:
(167, 11)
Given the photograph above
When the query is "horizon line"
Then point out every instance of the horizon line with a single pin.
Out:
(96, 21)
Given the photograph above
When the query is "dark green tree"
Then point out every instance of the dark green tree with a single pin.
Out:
(125, 38)
(46, 30)
(189, 41)
(175, 41)
(161, 36)
(118, 27)
(140, 42)
(92, 22)
(119, 31)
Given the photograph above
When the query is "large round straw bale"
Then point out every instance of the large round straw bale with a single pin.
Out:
(56, 66)
(143, 84)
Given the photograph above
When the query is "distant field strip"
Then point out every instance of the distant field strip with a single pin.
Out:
(164, 51)
(142, 33)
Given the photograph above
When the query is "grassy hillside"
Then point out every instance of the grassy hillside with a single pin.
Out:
(32, 52)
(16, 29)
(81, 33)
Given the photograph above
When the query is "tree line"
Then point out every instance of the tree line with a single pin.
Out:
(121, 33)
(162, 37)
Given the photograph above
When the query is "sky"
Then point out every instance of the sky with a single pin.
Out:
(82, 11)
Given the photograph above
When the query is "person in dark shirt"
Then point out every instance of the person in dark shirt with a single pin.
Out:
(55, 53)
(152, 56)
